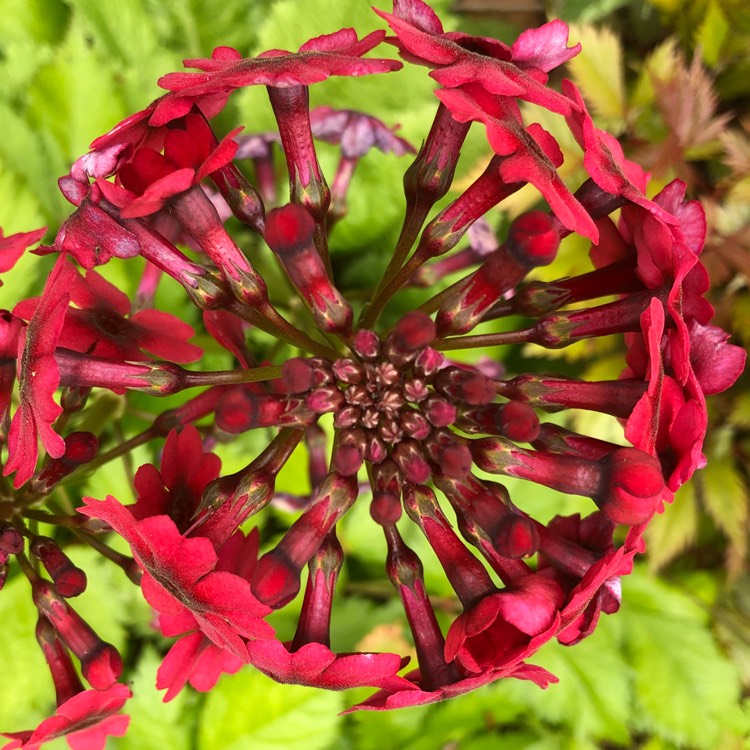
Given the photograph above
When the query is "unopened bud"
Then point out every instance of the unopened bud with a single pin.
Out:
(516, 537)
(11, 540)
(414, 331)
(632, 486)
(367, 344)
(410, 459)
(466, 385)
(290, 232)
(69, 580)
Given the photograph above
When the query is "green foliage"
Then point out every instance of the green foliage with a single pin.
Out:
(675, 530)
(26, 697)
(685, 688)
(249, 710)
(155, 725)
(598, 72)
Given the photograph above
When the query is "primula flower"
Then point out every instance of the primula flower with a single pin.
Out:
(459, 58)
(85, 721)
(39, 378)
(98, 324)
(150, 179)
(407, 427)
(356, 133)
(316, 60)
(194, 658)
(179, 574)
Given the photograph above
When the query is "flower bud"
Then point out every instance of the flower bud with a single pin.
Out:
(69, 580)
(290, 234)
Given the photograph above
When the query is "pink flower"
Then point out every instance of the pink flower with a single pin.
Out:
(356, 132)
(339, 53)
(604, 159)
(316, 665)
(194, 658)
(504, 628)
(11, 329)
(459, 58)
(387, 700)
(98, 324)
(150, 179)
(39, 377)
(85, 721)
(175, 490)
(670, 420)
(579, 554)
(90, 234)
(180, 575)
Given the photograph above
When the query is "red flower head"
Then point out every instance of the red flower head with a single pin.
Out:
(406, 423)
(149, 179)
(519, 617)
(458, 58)
(340, 53)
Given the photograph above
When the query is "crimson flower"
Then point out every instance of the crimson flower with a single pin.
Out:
(149, 179)
(459, 58)
(98, 323)
(180, 574)
(194, 658)
(514, 617)
(39, 378)
(85, 721)
(339, 53)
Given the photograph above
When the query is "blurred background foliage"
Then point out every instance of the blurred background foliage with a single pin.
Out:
(671, 78)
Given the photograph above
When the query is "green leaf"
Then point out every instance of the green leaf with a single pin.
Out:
(107, 582)
(63, 92)
(712, 33)
(598, 71)
(354, 618)
(592, 699)
(155, 725)
(741, 318)
(26, 693)
(739, 414)
(20, 58)
(33, 20)
(26, 155)
(658, 64)
(589, 11)
(673, 531)
(249, 710)
(197, 26)
(387, 730)
(724, 495)
(685, 687)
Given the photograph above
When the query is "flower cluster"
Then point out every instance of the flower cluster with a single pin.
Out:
(412, 432)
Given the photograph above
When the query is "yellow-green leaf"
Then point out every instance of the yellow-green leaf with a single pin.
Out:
(598, 72)
(712, 33)
(674, 530)
(725, 498)
(249, 710)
